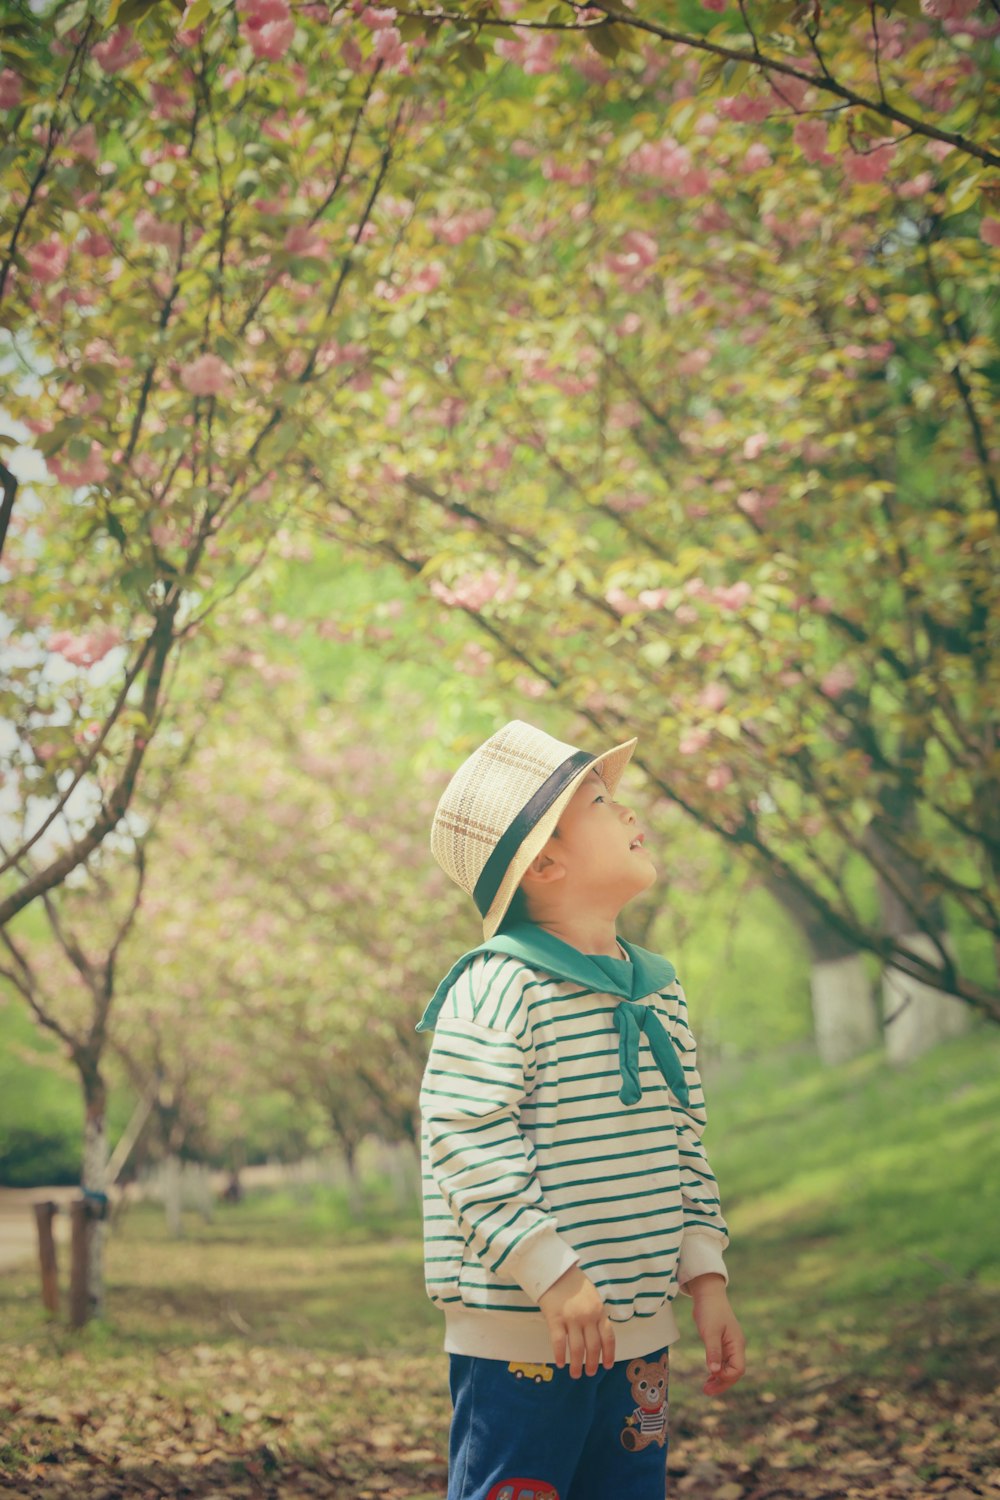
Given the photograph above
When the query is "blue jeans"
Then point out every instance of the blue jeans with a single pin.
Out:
(532, 1432)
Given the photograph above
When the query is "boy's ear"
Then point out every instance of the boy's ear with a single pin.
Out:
(543, 870)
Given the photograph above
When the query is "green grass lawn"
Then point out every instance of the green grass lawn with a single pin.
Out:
(284, 1349)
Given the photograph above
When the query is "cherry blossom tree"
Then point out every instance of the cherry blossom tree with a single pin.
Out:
(661, 352)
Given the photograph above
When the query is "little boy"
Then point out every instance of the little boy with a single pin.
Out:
(567, 1196)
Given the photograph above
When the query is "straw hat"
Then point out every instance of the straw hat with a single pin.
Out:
(500, 808)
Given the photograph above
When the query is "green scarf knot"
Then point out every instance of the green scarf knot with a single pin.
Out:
(630, 1021)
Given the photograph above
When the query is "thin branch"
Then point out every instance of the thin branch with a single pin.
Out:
(25, 981)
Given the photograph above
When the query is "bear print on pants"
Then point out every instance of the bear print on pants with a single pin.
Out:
(648, 1422)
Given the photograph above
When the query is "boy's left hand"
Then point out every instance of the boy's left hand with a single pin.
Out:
(725, 1349)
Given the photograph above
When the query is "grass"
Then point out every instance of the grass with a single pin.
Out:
(287, 1349)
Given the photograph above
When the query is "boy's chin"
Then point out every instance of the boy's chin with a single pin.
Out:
(645, 877)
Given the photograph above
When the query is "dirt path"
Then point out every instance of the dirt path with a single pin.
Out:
(18, 1239)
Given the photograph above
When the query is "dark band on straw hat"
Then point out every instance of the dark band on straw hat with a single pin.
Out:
(521, 825)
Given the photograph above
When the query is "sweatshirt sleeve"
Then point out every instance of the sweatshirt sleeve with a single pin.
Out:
(705, 1234)
(478, 1072)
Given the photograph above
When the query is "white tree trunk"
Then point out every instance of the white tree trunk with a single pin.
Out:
(95, 1180)
(171, 1179)
(917, 1015)
(844, 1012)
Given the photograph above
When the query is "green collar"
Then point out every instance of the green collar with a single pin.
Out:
(646, 974)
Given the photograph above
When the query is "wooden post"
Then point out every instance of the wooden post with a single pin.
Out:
(79, 1293)
(44, 1213)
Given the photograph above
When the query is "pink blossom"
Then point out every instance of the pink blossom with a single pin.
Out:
(714, 696)
(207, 375)
(272, 40)
(745, 109)
(694, 741)
(304, 239)
(268, 26)
(757, 157)
(117, 51)
(167, 102)
(917, 186)
(334, 353)
(732, 596)
(534, 53)
(638, 252)
(389, 48)
(653, 598)
(948, 10)
(624, 503)
(475, 660)
(752, 504)
(694, 361)
(574, 174)
(718, 5)
(91, 470)
(989, 231)
(685, 614)
(671, 165)
(87, 649)
(48, 259)
(592, 68)
(623, 416)
(83, 143)
(621, 602)
(427, 279)
(631, 323)
(96, 244)
(871, 166)
(457, 227)
(351, 53)
(839, 680)
(718, 778)
(788, 92)
(378, 20)
(152, 231)
(11, 88)
(531, 687)
(754, 445)
(473, 590)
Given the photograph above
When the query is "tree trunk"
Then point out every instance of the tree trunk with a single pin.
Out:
(355, 1198)
(172, 1195)
(95, 1182)
(917, 1015)
(845, 1020)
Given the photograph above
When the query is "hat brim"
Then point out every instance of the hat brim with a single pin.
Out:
(611, 764)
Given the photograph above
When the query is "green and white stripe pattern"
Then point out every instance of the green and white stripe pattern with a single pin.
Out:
(531, 1162)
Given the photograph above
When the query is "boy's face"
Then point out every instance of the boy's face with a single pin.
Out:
(600, 846)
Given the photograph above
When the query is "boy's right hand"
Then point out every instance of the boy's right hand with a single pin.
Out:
(578, 1323)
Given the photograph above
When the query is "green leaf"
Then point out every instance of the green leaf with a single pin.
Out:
(605, 39)
(134, 10)
(196, 13)
(963, 194)
(471, 58)
(70, 17)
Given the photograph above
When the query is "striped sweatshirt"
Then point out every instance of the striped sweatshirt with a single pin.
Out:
(555, 1134)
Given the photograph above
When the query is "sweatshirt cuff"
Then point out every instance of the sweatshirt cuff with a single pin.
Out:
(540, 1259)
(701, 1252)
